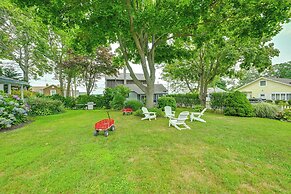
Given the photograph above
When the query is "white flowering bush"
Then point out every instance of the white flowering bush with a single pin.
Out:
(12, 111)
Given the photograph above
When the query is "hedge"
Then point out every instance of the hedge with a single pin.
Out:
(217, 100)
(44, 106)
(185, 100)
(97, 99)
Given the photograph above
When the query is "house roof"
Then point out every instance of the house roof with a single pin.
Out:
(42, 87)
(285, 81)
(120, 76)
(6, 80)
(282, 80)
(159, 89)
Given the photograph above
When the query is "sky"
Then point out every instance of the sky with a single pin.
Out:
(282, 41)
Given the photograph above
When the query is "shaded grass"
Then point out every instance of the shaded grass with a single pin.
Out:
(59, 153)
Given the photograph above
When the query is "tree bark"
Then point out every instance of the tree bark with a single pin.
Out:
(68, 92)
(61, 80)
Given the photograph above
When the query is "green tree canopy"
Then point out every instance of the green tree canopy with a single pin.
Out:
(142, 26)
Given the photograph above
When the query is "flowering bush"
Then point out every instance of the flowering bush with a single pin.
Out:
(12, 111)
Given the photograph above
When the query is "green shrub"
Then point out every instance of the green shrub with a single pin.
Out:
(289, 102)
(44, 106)
(159, 112)
(26, 93)
(108, 97)
(70, 102)
(84, 99)
(237, 104)
(266, 110)
(134, 104)
(185, 100)
(118, 102)
(198, 108)
(167, 101)
(280, 102)
(287, 114)
(116, 92)
(217, 100)
(57, 97)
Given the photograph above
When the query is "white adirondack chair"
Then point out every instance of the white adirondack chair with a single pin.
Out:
(168, 112)
(176, 122)
(197, 116)
(148, 115)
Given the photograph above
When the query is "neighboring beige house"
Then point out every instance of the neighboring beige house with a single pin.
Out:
(50, 90)
(268, 88)
(47, 90)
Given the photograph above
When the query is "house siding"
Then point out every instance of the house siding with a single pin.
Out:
(254, 90)
(114, 83)
(132, 96)
(47, 91)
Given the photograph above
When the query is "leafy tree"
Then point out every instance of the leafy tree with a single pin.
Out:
(282, 70)
(247, 76)
(71, 69)
(216, 57)
(141, 27)
(92, 69)
(59, 45)
(24, 39)
(10, 72)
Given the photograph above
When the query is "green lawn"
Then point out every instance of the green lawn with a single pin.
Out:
(227, 154)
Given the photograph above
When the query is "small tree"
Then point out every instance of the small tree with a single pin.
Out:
(118, 96)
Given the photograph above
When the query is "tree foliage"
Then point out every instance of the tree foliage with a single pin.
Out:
(145, 29)
(281, 70)
(24, 39)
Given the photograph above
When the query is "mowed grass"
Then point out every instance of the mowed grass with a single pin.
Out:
(59, 154)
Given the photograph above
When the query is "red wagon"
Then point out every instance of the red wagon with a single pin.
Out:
(127, 111)
(104, 125)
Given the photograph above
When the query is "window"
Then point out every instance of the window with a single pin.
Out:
(53, 92)
(263, 83)
(262, 96)
(281, 96)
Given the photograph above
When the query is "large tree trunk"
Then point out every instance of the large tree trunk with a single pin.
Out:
(150, 96)
(202, 89)
(25, 74)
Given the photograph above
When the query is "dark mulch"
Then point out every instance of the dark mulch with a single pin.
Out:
(17, 126)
